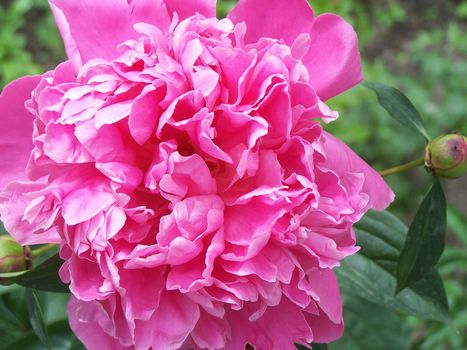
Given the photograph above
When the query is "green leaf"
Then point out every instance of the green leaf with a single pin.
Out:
(60, 335)
(43, 277)
(371, 327)
(371, 274)
(37, 317)
(54, 307)
(425, 240)
(14, 316)
(2, 229)
(457, 222)
(8, 318)
(399, 107)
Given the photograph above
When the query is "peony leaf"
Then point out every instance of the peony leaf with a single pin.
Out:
(371, 274)
(61, 338)
(36, 317)
(425, 240)
(16, 330)
(43, 277)
(457, 223)
(399, 107)
(388, 331)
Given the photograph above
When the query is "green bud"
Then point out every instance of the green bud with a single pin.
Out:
(446, 155)
(13, 256)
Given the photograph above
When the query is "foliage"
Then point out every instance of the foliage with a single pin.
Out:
(29, 40)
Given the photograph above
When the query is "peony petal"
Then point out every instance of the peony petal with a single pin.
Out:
(169, 327)
(333, 59)
(324, 284)
(145, 112)
(78, 208)
(324, 330)
(273, 18)
(186, 9)
(83, 319)
(341, 159)
(250, 232)
(15, 129)
(13, 206)
(278, 328)
(211, 332)
(94, 29)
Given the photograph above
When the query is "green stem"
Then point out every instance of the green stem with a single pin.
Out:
(42, 250)
(403, 167)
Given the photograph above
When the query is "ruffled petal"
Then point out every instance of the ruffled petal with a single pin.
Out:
(342, 160)
(273, 18)
(84, 316)
(170, 326)
(16, 127)
(333, 59)
(15, 205)
(94, 29)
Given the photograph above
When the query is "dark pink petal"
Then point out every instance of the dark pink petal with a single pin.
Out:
(273, 18)
(333, 59)
(94, 29)
(15, 129)
(186, 8)
(341, 160)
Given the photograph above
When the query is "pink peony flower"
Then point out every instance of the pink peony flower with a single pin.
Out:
(180, 163)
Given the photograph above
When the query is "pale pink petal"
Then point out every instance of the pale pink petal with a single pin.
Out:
(333, 60)
(15, 129)
(273, 18)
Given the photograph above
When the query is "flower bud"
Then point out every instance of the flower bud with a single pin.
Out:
(13, 257)
(446, 155)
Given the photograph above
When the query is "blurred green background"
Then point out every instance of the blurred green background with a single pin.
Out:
(419, 46)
